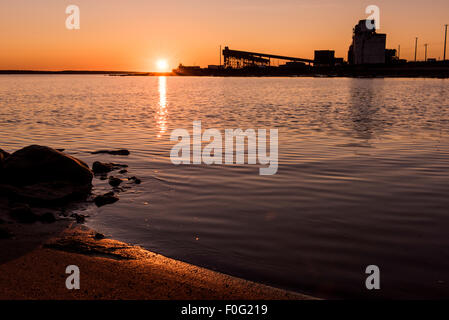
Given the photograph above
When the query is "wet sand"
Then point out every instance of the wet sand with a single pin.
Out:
(33, 265)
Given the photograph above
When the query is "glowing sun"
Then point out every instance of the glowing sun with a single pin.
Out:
(162, 65)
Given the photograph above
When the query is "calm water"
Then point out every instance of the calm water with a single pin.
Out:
(363, 173)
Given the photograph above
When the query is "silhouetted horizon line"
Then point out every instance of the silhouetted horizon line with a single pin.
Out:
(33, 71)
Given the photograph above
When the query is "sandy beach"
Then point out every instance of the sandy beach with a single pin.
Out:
(33, 265)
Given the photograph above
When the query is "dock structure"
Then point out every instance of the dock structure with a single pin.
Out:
(235, 59)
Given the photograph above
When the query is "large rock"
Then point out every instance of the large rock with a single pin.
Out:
(35, 164)
(43, 174)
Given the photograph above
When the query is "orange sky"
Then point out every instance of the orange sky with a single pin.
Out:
(132, 35)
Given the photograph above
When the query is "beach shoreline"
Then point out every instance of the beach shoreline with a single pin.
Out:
(41, 236)
(111, 270)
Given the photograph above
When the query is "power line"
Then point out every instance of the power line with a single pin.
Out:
(425, 55)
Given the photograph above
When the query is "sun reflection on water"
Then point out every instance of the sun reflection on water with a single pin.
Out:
(161, 117)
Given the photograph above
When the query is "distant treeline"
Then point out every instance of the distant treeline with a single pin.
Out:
(434, 69)
(112, 73)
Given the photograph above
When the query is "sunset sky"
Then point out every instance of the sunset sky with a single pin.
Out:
(134, 34)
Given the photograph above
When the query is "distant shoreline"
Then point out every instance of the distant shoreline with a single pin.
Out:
(87, 72)
(415, 71)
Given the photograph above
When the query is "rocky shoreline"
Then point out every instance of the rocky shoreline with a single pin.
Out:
(40, 235)
(39, 183)
(40, 190)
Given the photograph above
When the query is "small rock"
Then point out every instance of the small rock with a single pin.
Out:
(80, 218)
(105, 199)
(136, 180)
(60, 150)
(102, 167)
(115, 182)
(123, 171)
(121, 152)
(23, 214)
(47, 218)
(99, 236)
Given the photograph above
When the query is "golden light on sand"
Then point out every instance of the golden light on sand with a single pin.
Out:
(162, 65)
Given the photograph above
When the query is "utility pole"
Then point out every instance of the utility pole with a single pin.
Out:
(425, 55)
(399, 52)
(416, 46)
(445, 38)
